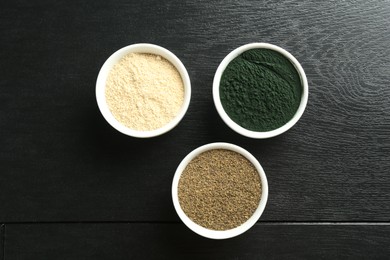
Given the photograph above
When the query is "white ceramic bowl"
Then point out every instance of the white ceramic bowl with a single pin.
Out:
(236, 127)
(101, 85)
(216, 234)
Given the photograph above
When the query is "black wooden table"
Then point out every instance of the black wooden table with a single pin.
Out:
(71, 187)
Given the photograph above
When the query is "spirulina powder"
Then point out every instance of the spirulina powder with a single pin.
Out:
(260, 90)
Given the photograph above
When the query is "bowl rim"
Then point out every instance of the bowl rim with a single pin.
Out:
(236, 127)
(216, 234)
(141, 48)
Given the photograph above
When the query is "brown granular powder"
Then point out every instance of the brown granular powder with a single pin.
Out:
(219, 189)
(144, 91)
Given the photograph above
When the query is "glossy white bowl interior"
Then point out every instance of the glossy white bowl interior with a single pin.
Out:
(215, 234)
(101, 85)
(236, 127)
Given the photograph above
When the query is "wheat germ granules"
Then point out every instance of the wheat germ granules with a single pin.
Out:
(144, 91)
(219, 189)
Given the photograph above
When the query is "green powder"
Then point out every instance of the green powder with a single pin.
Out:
(260, 90)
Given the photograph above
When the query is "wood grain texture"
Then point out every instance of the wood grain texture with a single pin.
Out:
(60, 161)
(174, 241)
(2, 236)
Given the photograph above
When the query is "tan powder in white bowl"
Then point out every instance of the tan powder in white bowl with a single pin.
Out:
(144, 91)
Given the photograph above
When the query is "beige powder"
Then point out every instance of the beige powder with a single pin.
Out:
(144, 91)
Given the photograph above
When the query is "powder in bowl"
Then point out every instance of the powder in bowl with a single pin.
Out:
(219, 189)
(260, 90)
(144, 91)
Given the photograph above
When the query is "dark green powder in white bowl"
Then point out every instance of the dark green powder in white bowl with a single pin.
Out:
(260, 90)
